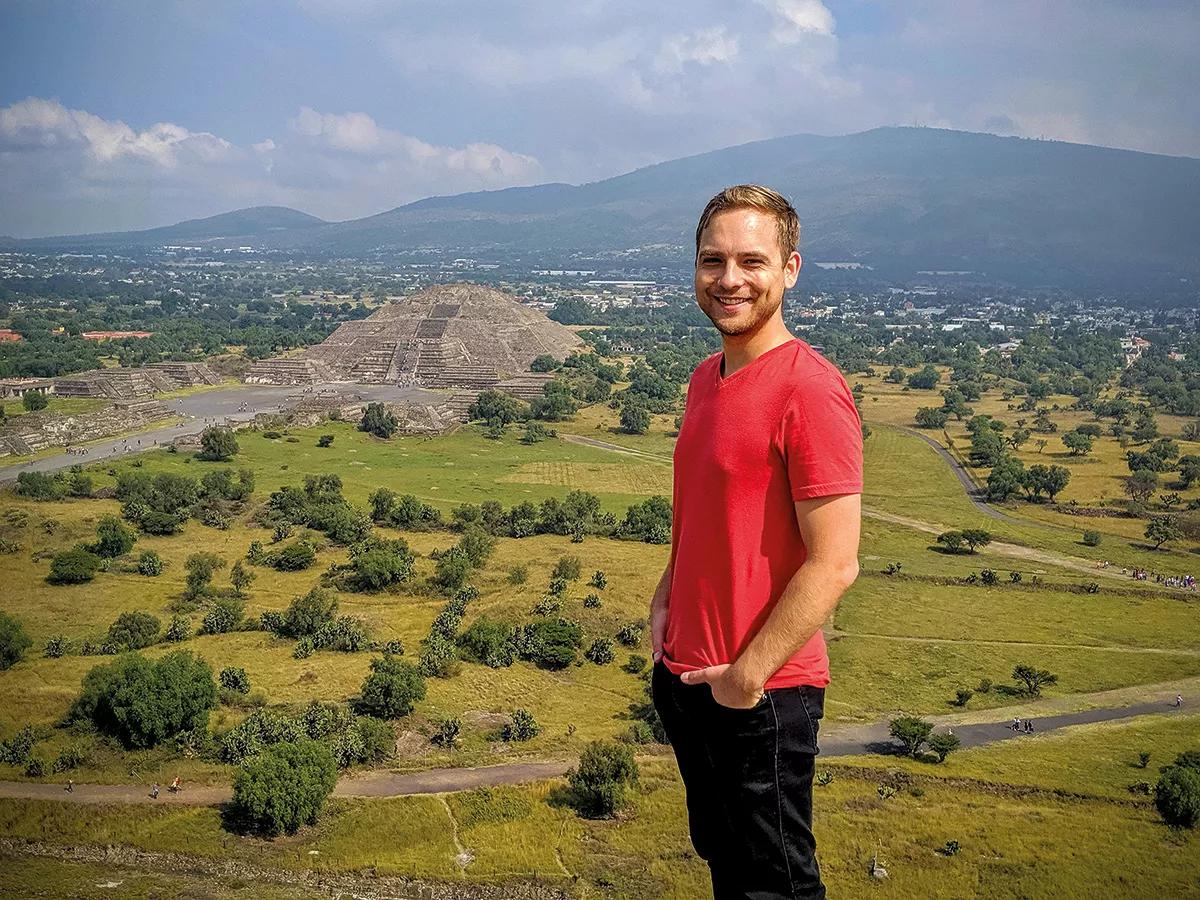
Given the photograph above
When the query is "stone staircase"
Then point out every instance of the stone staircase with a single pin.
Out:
(290, 371)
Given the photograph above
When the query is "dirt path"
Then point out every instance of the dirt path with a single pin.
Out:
(837, 740)
(614, 448)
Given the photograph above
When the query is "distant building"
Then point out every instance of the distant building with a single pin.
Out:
(114, 335)
(7, 334)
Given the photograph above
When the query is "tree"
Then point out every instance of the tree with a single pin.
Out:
(1141, 485)
(943, 745)
(925, 379)
(556, 403)
(241, 578)
(113, 538)
(550, 643)
(378, 420)
(39, 486)
(635, 419)
(308, 614)
(143, 703)
(1033, 679)
(490, 642)
(200, 568)
(931, 417)
(133, 630)
(522, 726)
(284, 787)
(895, 376)
(544, 362)
(599, 783)
(568, 568)
(13, 641)
(1079, 444)
(74, 566)
(217, 443)
(295, 557)
(1006, 478)
(391, 689)
(493, 405)
(234, 678)
(325, 440)
(910, 731)
(976, 537)
(34, 400)
(224, 616)
(1161, 529)
(1177, 796)
(952, 540)
(1189, 470)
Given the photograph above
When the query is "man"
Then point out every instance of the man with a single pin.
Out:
(764, 541)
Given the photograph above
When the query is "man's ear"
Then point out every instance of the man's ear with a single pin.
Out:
(791, 269)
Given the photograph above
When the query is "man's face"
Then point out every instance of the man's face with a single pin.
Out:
(740, 276)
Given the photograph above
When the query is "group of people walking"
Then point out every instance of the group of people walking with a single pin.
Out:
(1187, 582)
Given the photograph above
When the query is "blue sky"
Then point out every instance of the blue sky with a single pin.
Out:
(131, 114)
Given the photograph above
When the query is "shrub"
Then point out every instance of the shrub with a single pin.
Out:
(294, 557)
(989, 577)
(284, 787)
(149, 563)
(307, 615)
(518, 575)
(304, 648)
(599, 580)
(234, 678)
(522, 727)
(638, 733)
(345, 634)
(636, 664)
(35, 767)
(74, 566)
(13, 641)
(567, 568)
(963, 696)
(69, 758)
(550, 643)
(133, 631)
(910, 731)
(1177, 796)
(598, 784)
(438, 657)
(1091, 538)
(592, 601)
(391, 689)
(942, 745)
(180, 629)
(635, 418)
(143, 703)
(217, 443)
(15, 751)
(447, 732)
(200, 568)
(489, 642)
(39, 486)
(113, 538)
(600, 652)
(378, 420)
(1033, 679)
(55, 647)
(631, 634)
(224, 616)
(325, 440)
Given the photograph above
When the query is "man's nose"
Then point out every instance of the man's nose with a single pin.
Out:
(731, 275)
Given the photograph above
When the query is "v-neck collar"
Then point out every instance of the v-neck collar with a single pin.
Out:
(723, 380)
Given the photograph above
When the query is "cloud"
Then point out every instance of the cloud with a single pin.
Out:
(706, 46)
(68, 170)
(798, 19)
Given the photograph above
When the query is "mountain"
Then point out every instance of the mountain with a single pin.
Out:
(898, 199)
(224, 229)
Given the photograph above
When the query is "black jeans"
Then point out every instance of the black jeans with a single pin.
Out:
(748, 775)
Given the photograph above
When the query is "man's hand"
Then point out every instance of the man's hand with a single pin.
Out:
(658, 629)
(727, 689)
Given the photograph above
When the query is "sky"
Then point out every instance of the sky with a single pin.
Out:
(118, 115)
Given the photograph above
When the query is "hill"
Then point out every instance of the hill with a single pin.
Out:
(897, 199)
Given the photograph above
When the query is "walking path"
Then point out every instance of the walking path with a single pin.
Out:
(837, 740)
(964, 478)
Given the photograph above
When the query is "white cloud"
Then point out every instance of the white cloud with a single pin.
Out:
(68, 170)
(706, 47)
(798, 19)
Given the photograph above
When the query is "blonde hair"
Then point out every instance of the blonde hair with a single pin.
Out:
(763, 199)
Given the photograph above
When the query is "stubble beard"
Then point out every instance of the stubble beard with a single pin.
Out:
(760, 313)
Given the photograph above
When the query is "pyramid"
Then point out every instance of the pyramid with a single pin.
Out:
(464, 336)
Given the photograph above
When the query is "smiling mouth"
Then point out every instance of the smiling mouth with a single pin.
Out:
(732, 301)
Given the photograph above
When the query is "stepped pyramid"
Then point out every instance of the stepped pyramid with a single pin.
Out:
(462, 336)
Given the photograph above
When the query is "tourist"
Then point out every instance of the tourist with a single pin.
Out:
(70, 788)
(741, 705)
(1016, 724)
(1178, 700)
(154, 791)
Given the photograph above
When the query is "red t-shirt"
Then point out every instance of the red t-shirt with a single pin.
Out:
(781, 429)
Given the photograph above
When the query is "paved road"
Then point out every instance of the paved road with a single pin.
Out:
(214, 407)
(964, 478)
(837, 740)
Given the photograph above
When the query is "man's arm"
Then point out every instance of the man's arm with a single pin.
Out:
(658, 612)
(830, 529)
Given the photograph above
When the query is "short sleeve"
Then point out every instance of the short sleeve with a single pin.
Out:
(821, 439)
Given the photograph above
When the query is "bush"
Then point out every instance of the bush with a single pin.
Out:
(56, 647)
(636, 664)
(1177, 796)
(224, 616)
(304, 648)
(35, 767)
(518, 575)
(13, 641)
(217, 443)
(39, 486)
(635, 418)
(550, 643)
(942, 745)
(438, 657)
(522, 727)
(447, 732)
(15, 751)
(489, 642)
(345, 634)
(149, 563)
(963, 696)
(592, 601)
(234, 678)
(325, 440)
(910, 731)
(378, 420)
(143, 703)
(74, 566)
(113, 538)
(1091, 538)
(568, 568)
(599, 580)
(598, 785)
(284, 787)
(391, 689)
(133, 631)
(180, 629)
(631, 634)
(307, 615)
(294, 557)
(600, 652)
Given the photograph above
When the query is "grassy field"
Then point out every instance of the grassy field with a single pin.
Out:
(65, 406)
(1011, 843)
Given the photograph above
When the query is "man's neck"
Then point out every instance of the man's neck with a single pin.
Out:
(742, 349)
